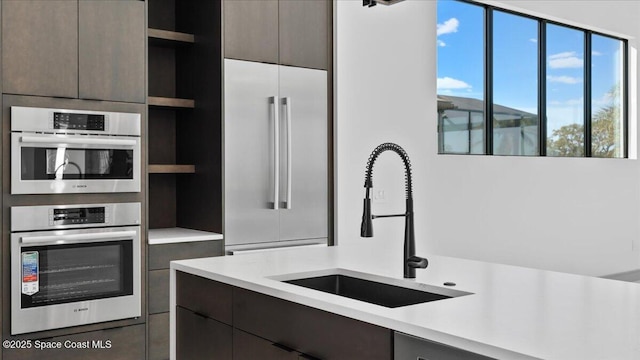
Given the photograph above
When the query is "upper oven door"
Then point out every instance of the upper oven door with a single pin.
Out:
(53, 163)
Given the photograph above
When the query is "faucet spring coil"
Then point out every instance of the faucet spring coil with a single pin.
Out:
(368, 183)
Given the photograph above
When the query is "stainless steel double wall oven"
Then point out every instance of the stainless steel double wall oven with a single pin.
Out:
(74, 264)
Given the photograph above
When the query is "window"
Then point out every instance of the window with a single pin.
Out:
(565, 91)
(515, 85)
(548, 89)
(461, 102)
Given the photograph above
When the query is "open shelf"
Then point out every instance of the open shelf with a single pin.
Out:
(170, 37)
(171, 102)
(177, 235)
(184, 60)
(171, 169)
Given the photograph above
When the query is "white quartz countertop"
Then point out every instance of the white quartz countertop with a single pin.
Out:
(513, 313)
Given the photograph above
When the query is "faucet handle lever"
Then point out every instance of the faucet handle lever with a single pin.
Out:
(388, 215)
(417, 262)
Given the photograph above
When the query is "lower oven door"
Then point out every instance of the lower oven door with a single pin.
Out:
(74, 277)
(51, 164)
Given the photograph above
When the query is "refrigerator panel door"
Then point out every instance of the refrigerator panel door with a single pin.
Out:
(303, 96)
(249, 151)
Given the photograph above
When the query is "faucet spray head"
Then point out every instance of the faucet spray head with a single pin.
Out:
(366, 228)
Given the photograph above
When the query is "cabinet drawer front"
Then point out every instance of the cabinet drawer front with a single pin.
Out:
(311, 331)
(158, 336)
(201, 338)
(408, 347)
(158, 291)
(250, 347)
(161, 255)
(203, 296)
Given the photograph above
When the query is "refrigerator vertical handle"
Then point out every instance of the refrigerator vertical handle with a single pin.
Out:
(273, 103)
(287, 106)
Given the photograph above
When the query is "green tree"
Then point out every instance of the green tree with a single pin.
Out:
(567, 141)
(605, 129)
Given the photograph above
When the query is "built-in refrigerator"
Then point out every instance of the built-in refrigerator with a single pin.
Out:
(276, 155)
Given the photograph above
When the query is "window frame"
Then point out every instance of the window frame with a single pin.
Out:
(542, 84)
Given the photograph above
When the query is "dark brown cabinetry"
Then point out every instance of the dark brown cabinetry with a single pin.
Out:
(295, 33)
(307, 329)
(158, 345)
(203, 318)
(74, 49)
(158, 280)
(185, 110)
(39, 55)
(411, 347)
(249, 347)
(304, 33)
(111, 48)
(278, 329)
(184, 102)
(251, 30)
(184, 157)
(264, 327)
(200, 337)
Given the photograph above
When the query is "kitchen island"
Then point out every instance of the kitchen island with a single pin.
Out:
(498, 311)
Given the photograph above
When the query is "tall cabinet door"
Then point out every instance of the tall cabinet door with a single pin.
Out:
(303, 95)
(304, 33)
(251, 30)
(40, 47)
(250, 120)
(112, 50)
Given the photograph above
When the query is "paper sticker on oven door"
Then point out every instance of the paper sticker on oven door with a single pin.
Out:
(30, 272)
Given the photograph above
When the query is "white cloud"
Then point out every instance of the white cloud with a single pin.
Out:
(534, 40)
(559, 116)
(567, 103)
(563, 60)
(447, 83)
(448, 27)
(441, 43)
(562, 55)
(564, 79)
(606, 99)
(596, 53)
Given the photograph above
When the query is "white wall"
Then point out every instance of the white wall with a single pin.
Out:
(573, 215)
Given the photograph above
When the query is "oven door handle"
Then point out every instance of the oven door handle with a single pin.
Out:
(75, 238)
(72, 140)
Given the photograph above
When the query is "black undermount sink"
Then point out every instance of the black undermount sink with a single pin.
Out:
(366, 290)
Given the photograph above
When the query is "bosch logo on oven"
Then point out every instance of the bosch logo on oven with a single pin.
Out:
(80, 309)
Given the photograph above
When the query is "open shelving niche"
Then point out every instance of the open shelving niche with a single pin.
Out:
(185, 191)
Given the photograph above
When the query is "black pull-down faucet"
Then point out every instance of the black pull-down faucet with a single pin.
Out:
(411, 261)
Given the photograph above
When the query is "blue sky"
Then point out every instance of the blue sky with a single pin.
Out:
(460, 62)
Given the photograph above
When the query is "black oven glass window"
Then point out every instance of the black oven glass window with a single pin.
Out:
(68, 163)
(79, 272)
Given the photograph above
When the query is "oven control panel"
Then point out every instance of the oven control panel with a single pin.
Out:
(75, 216)
(78, 121)
(78, 216)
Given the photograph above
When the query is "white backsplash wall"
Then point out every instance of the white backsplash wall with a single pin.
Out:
(573, 215)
